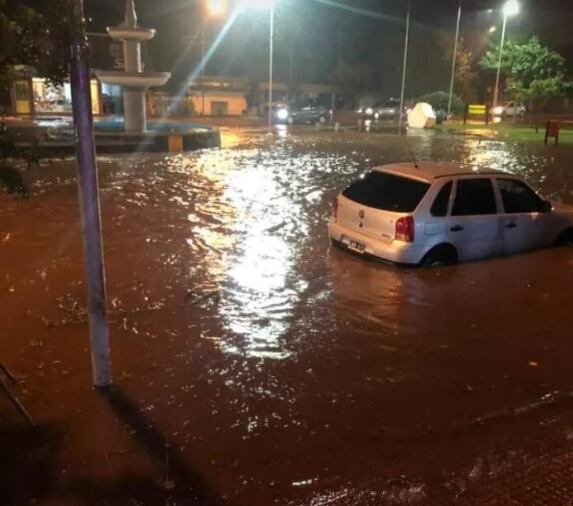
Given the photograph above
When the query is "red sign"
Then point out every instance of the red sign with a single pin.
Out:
(552, 130)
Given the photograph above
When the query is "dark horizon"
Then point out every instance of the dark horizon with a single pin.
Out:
(313, 37)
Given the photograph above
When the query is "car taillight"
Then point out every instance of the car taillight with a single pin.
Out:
(405, 229)
(335, 208)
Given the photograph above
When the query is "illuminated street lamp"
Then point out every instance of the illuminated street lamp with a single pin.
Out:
(510, 8)
(270, 5)
(256, 4)
(454, 57)
(216, 7)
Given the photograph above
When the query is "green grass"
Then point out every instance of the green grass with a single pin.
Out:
(508, 132)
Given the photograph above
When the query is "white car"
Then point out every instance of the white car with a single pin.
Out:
(508, 109)
(432, 214)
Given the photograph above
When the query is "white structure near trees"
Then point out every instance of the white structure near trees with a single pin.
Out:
(422, 116)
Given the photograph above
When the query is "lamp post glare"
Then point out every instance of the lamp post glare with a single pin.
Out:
(219, 7)
(256, 4)
(270, 6)
(454, 57)
(510, 8)
(216, 7)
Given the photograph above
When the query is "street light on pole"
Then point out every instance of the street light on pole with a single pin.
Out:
(215, 9)
(218, 7)
(510, 8)
(266, 4)
(454, 57)
(404, 64)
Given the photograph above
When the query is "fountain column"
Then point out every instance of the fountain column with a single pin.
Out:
(134, 107)
(134, 80)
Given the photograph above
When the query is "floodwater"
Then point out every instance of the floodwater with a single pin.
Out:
(255, 365)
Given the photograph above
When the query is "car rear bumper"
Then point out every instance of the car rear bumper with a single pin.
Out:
(396, 251)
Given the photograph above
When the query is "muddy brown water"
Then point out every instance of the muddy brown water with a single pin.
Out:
(255, 365)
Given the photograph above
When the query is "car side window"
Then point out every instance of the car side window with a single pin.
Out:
(440, 206)
(474, 197)
(517, 197)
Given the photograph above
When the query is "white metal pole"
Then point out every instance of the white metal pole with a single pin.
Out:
(454, 57)
(406, 40)
(496, 89)
(203, 72)
(271, 44)
(88, 191)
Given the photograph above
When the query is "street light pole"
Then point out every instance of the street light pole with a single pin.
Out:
(271, 48)
(88, 191)
(496, 89)
(404, 67)
(510, 8)
(203, 72)
(452, 78)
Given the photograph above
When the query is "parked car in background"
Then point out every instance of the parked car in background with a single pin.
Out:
(389, 109)
(437, 214)
(280, 113)
(508, 109)
(308, 114)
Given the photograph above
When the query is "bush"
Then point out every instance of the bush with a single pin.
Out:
(11, 177)
(439, 101)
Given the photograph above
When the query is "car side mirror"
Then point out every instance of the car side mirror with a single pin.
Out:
(547, 207)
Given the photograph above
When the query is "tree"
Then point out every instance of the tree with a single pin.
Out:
(464, 83)
(430, 65)
(39, 38)
(36, 37)
(439, 101)
(531, 70)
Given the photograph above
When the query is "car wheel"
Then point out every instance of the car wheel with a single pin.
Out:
(322, 119)
(440, 256)
(565, 238)
(290, 120)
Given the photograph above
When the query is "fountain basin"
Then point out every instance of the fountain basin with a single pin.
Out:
(133, 79)
(131, 33)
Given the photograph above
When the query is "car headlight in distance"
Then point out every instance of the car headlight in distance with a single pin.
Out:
(369, 111)
(282, 114)
(498, 110)
(360, 111)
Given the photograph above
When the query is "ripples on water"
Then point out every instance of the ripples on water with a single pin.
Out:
(228, 249)
(245, 229)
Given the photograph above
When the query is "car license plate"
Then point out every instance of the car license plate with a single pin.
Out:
(356, 246)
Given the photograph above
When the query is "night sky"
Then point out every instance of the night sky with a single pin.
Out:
(313, 36)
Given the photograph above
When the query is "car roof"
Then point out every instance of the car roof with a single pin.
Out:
(430, 171)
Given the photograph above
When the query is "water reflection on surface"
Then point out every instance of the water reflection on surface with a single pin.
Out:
(270, 359)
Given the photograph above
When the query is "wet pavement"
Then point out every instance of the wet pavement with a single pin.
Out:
(254, 364)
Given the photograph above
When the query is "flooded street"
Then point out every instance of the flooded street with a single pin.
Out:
(254, 364)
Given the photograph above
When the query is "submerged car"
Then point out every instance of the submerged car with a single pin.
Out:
(438, 214)
(308, 114)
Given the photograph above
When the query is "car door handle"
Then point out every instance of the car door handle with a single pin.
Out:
(456, 228)
(511, 225)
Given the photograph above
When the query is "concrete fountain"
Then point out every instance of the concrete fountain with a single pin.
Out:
(134, 80)
(134, 133)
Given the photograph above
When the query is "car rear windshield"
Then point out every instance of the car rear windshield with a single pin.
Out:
(387, 192)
